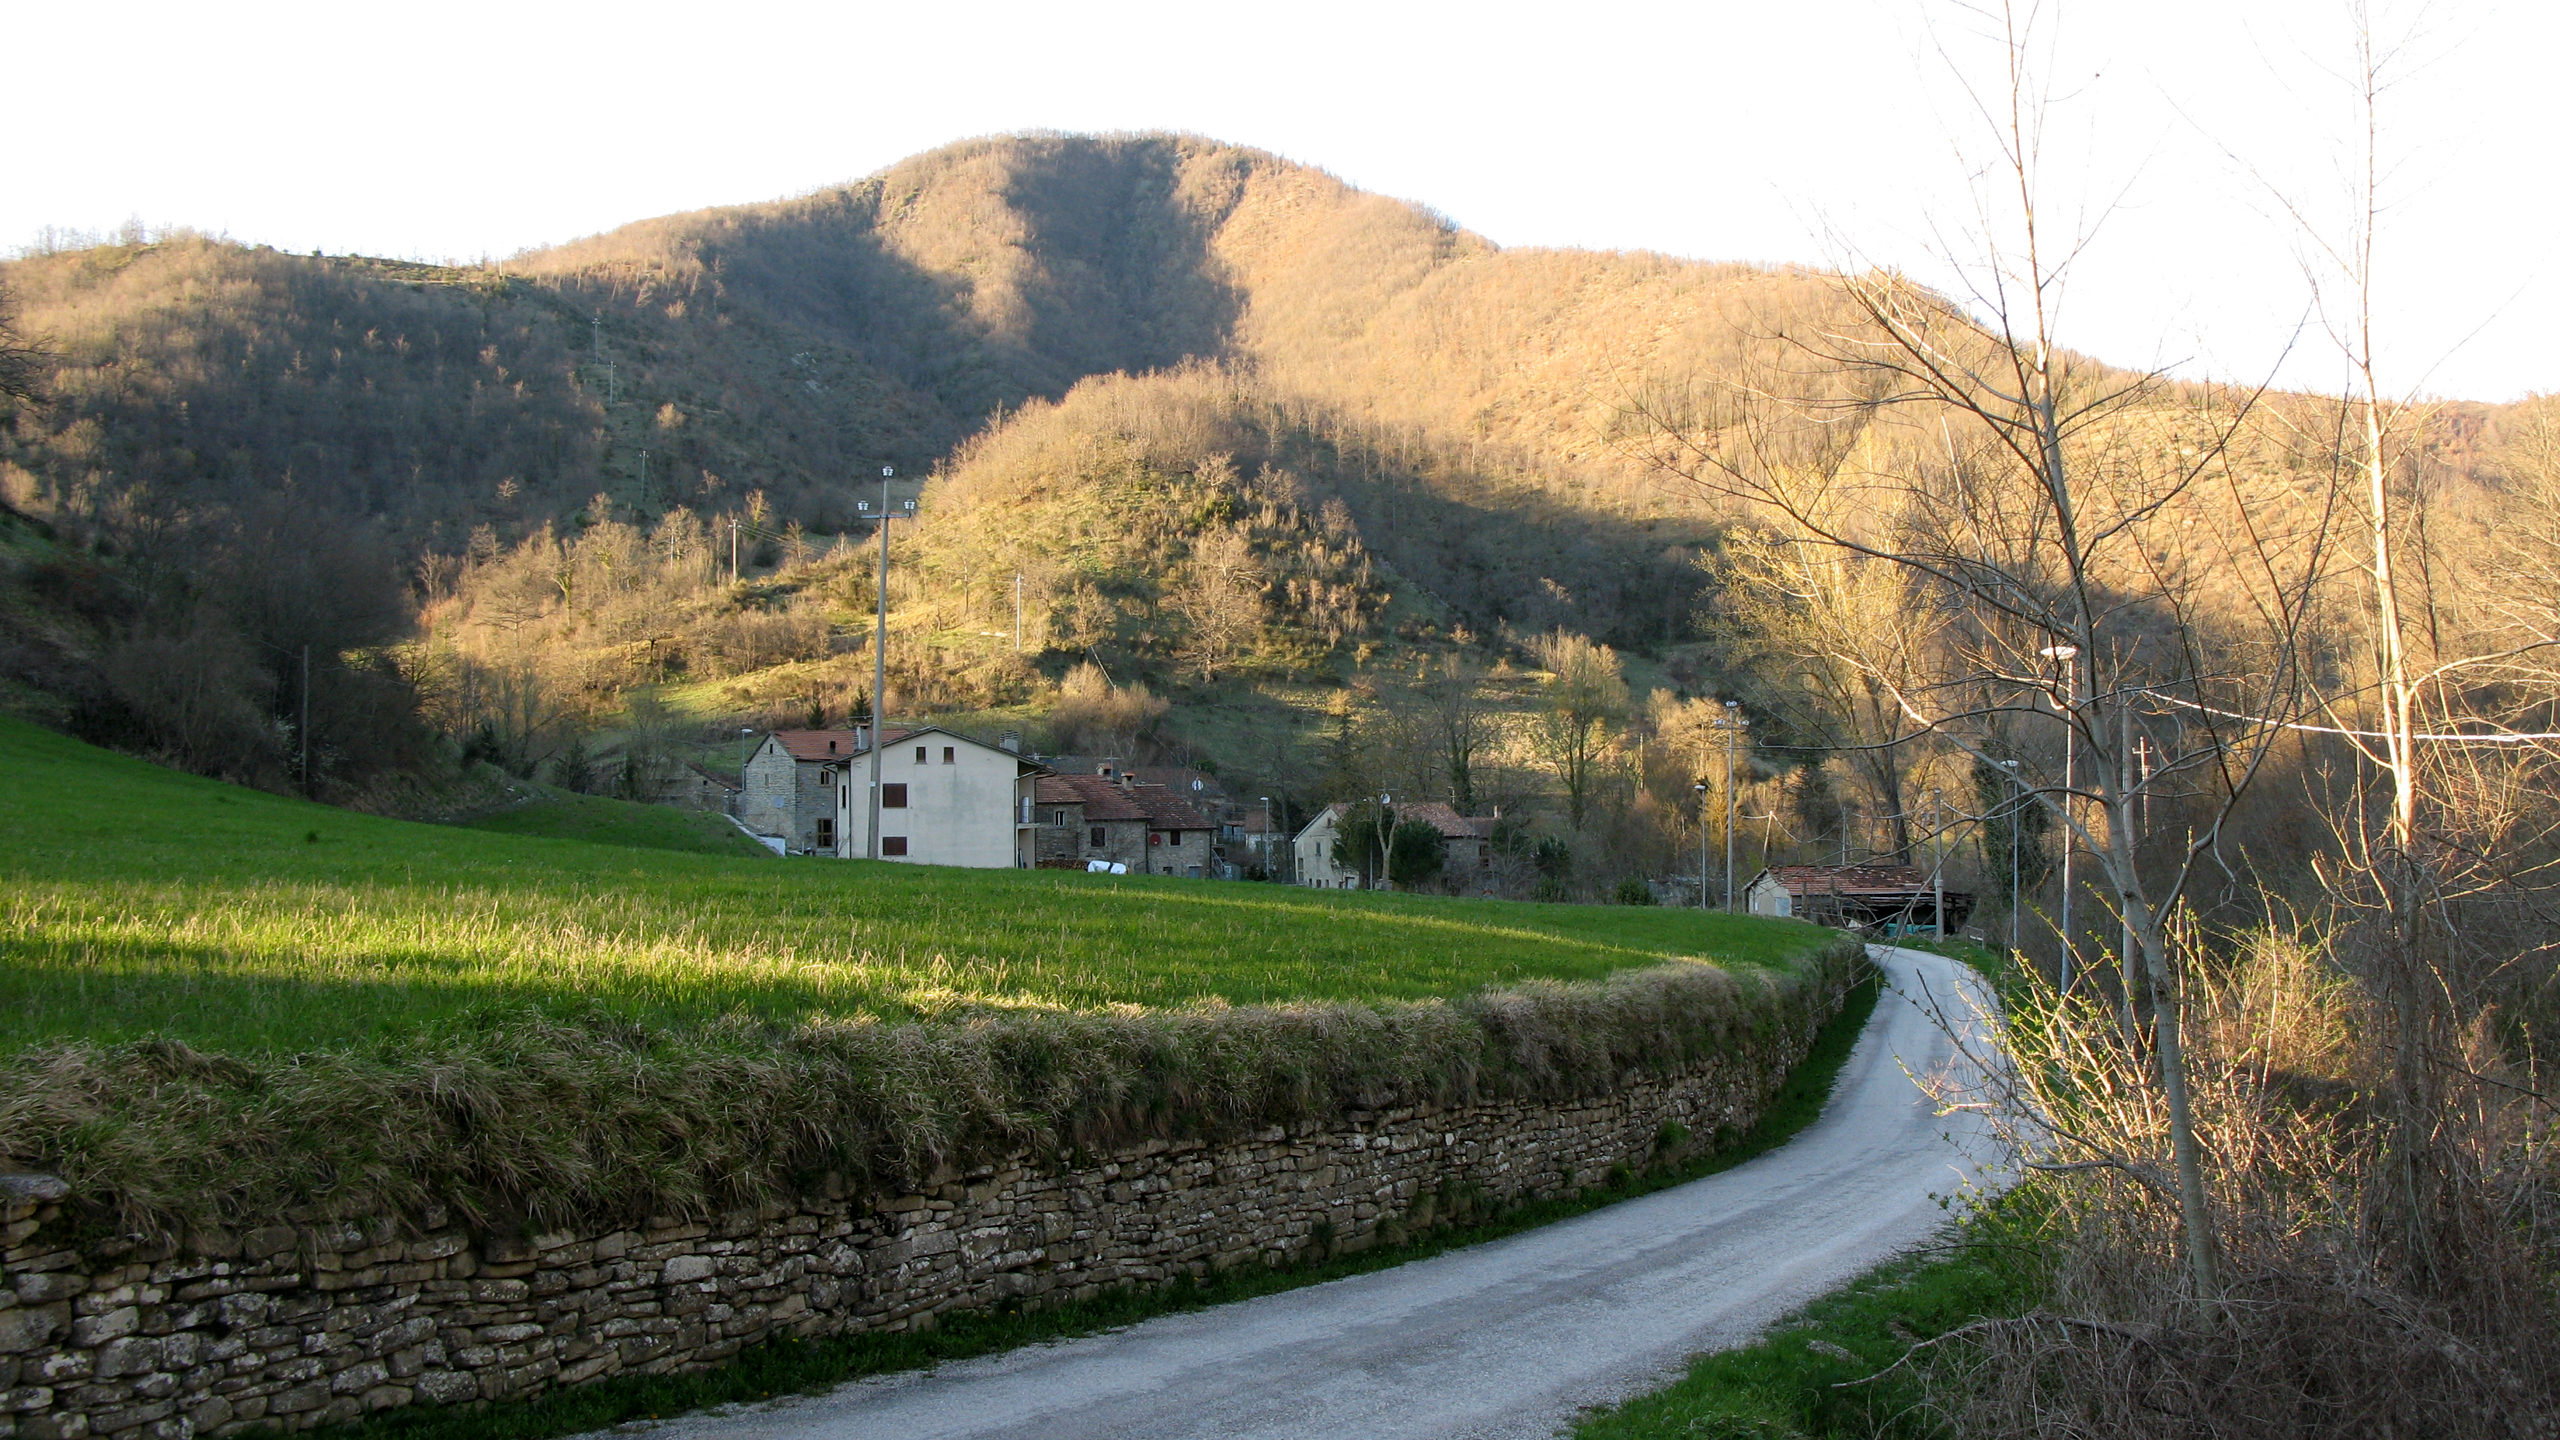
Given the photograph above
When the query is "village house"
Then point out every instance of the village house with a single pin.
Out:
(945, 799)
(1899, 899)
(1110, 816)
(1313, 851)
(1470, 839)
(787, 788)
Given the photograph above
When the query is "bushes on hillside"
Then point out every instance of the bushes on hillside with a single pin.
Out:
(546, 1120)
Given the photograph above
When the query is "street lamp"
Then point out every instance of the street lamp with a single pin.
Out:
(880, 652)
(1386, 818)
(2071, 702)
(1701, 788)
(2017, 802)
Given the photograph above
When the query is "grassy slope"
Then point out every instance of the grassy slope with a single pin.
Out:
(602, 821)
(135, 900)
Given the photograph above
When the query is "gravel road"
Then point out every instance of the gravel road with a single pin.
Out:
(1506, 1339)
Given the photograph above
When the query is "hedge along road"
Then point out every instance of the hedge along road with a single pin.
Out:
(1505, 1339)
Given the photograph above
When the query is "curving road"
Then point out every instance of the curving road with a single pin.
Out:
(1505, 1339)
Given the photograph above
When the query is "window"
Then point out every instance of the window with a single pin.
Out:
(1097, 837)
(893, 844)
(826, 832)
(893, 797)
(950, 753)
(919, 754)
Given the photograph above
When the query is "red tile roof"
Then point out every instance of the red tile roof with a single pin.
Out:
(827, 744)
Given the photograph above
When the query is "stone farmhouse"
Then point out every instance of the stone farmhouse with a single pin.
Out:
(1111, 816)
(1470, 839)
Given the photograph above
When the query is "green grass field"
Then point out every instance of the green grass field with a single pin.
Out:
(563, 816)
(138, 901)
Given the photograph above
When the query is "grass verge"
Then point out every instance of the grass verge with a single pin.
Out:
(1834, 1370)
(787, 1366)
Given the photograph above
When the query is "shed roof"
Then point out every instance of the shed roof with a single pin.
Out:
(1866, 879)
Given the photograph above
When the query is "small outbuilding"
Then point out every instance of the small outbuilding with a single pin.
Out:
(1890, 899)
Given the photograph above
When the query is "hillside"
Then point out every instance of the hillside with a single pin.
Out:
(1212, 420)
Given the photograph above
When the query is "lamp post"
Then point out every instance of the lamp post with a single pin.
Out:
(2017, 797)
(2071, 708)
(1386, 821)
(880, 657)
(1701, 788)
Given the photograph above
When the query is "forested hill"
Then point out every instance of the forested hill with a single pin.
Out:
(790, 345)
(1213, 407)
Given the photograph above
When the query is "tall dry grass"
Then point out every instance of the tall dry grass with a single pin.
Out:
(2322, 1328)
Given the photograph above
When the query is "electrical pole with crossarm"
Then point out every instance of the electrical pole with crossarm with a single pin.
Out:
(880, 657)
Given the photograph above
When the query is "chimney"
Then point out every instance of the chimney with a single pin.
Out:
(1010, 742)
(1108, 769)
(861, 737)
(831, 747)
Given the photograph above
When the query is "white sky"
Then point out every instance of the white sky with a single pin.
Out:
(1775, 130)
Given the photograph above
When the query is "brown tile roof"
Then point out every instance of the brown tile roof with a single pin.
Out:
(1446, 820)
(827, 744)
(1101, 799)
(1168, 811)
(1850, 879)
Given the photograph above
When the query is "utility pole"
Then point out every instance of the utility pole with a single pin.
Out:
(1733, 725)
(879, 662)
(733, 550)
(1937, 873)
(644, 477)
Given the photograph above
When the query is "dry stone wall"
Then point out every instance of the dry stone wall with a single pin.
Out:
(290, 1326)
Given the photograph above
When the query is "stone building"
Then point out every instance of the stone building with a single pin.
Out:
(787, 788)
(1110, 816)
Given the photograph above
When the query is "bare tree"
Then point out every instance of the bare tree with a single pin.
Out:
(1584, 696)
(1219, 597)
(22, 361)
(2050, 523)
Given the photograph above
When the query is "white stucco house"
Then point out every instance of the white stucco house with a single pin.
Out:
(945, 799)
(1314, 851)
